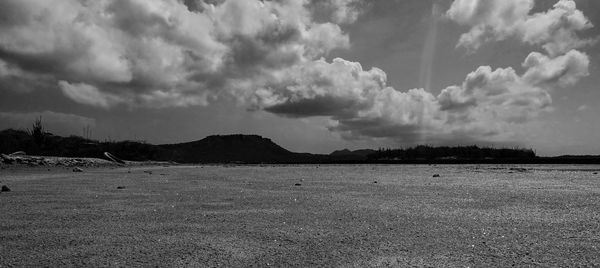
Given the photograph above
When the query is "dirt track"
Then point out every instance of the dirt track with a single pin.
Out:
(337, 216)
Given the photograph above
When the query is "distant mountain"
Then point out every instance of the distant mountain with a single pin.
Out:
(346, 154)
(212, 149)
(230, 148)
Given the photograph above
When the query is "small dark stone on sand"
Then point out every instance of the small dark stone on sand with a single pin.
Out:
(5, 188)
(436, 175)
(120, 187)
(518, 169)
(595, 173)
(298, 184)
(375, 182)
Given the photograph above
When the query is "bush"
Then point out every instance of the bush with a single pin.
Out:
(37, 132)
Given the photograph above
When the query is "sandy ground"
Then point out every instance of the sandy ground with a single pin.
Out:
(239, 216)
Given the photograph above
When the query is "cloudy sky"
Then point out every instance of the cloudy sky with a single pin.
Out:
(313, 75)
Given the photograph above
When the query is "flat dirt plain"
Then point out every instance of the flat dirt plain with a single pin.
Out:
(239, 216)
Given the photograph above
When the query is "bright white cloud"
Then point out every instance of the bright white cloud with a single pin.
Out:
(140, 51)
(496, 102)
(565, 70)
(489, 101)
(269, 55)
(555, 30)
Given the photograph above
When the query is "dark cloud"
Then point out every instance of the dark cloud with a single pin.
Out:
(317, 106)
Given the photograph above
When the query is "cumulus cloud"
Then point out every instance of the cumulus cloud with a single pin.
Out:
(270, 55)
(489, 100)
(359, 101)
(492, 103)
(142, 51)
(487, 105)
(555, 30)
(565, 70)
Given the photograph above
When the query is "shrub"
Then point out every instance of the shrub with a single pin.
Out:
(37, 132)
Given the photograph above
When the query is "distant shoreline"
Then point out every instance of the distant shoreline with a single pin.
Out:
(254, 149)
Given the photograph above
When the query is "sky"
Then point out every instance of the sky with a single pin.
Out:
(313, 75)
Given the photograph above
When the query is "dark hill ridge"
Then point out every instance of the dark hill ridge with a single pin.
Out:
(254, 149)
(229, 148)
(212, 149)
(356, 155)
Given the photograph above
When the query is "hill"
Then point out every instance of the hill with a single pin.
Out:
(253, 149)
(212, 149)
(229, 148)
(356, 155)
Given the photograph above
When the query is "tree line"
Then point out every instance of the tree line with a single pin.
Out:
(426, 152)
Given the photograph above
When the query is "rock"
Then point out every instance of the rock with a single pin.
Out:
(436, 175)
(298, 184)
(375, 182)
(5, 189)
(595, 173)
(518, 169)
(120, 187)
(77, 169)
